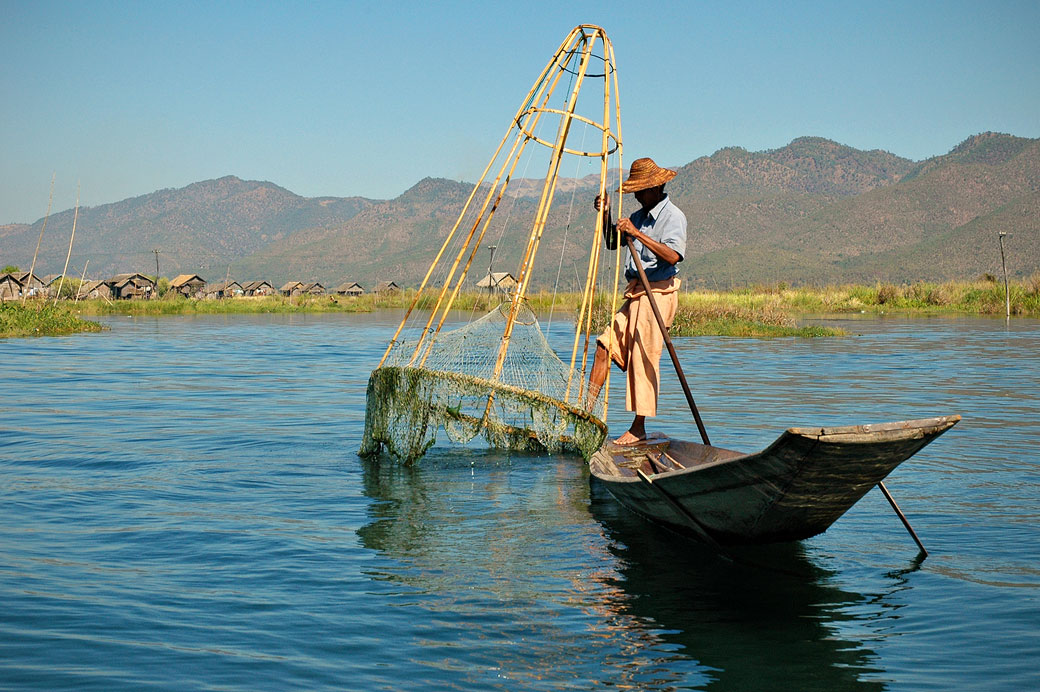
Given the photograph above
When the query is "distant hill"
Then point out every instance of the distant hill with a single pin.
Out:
(388, 240)
(812, 211)
(200, 228)
(939, 221)
(808, 165)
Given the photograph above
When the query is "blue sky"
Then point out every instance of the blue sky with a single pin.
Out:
(367, 98)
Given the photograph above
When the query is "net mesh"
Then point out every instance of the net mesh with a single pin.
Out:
(528, 407)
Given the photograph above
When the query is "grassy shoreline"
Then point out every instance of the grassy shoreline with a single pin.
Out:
(757, 311)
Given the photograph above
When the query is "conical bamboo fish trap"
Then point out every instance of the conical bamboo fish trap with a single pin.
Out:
(498, 376)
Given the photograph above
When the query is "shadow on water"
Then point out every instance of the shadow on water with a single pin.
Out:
(649, 600)
(766, 620)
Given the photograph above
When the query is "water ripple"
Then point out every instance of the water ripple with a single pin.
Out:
(184, 508)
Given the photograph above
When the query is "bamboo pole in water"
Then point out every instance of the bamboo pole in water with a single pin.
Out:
(902, 518)
(81, 278)
(75, 218)
(32, 267)
(584, 321)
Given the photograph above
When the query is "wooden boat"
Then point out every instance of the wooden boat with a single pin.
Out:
(795, 488)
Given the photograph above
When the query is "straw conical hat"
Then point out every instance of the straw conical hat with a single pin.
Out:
(645, 174)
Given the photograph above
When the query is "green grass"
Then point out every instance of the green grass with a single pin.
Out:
(758, 311)
(982, 297)
(41, 319)
(697, 318)
(176, 305)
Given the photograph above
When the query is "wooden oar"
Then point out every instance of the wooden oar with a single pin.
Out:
(902, 518)
(667, 339)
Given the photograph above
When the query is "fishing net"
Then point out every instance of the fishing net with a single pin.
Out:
(498, 377)
(533, 404)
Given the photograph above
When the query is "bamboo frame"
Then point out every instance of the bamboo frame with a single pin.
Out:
(462, 214)
(574, 56)
(548, 191)
(540, 93)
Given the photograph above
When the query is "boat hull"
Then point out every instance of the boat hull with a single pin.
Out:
(793, 489)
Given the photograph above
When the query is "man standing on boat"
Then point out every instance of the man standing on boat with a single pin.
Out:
(634, 340)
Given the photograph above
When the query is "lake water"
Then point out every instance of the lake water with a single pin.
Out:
(183, 508)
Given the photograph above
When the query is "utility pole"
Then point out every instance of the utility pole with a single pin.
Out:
(155, 294)
(1003, 264)
(491, 280)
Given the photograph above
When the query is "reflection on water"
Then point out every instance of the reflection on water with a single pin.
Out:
(655, 611)
(765, 620)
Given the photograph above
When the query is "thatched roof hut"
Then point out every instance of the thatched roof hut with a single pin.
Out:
(258, 288)
(94, 289)
(224, 289)
(387, 287)
(15, 284)
(350, 288)
(314, 288)
(188, 285)
(128, 286)
(291, 288)
(10, 286)
(498, 281)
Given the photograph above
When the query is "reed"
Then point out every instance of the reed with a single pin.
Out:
(72, 238)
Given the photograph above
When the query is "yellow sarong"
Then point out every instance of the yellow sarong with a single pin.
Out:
(634, 341)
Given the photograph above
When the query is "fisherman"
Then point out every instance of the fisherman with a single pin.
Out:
(634, 340)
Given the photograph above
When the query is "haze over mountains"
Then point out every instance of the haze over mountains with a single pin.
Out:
(812, 211)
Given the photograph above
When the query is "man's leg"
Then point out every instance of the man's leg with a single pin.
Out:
(598, 376)
(600, 365)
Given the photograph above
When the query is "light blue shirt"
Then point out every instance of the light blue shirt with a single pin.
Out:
(666, 224)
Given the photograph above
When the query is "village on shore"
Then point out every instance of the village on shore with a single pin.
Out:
(17, 285)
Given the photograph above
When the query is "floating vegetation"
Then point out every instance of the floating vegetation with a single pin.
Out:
(41, 319)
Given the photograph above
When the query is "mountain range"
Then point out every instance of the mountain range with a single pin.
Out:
(812, 211)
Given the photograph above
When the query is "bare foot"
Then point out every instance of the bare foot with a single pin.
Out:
(628, 439)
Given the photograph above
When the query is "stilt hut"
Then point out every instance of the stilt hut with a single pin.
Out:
(292, 288)
(257, 288)
(350, 288)
(188, 285)
(32, 285)
(224, 289)
(10, 287)
(131, 286)
(498, 282)
(94, 289)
